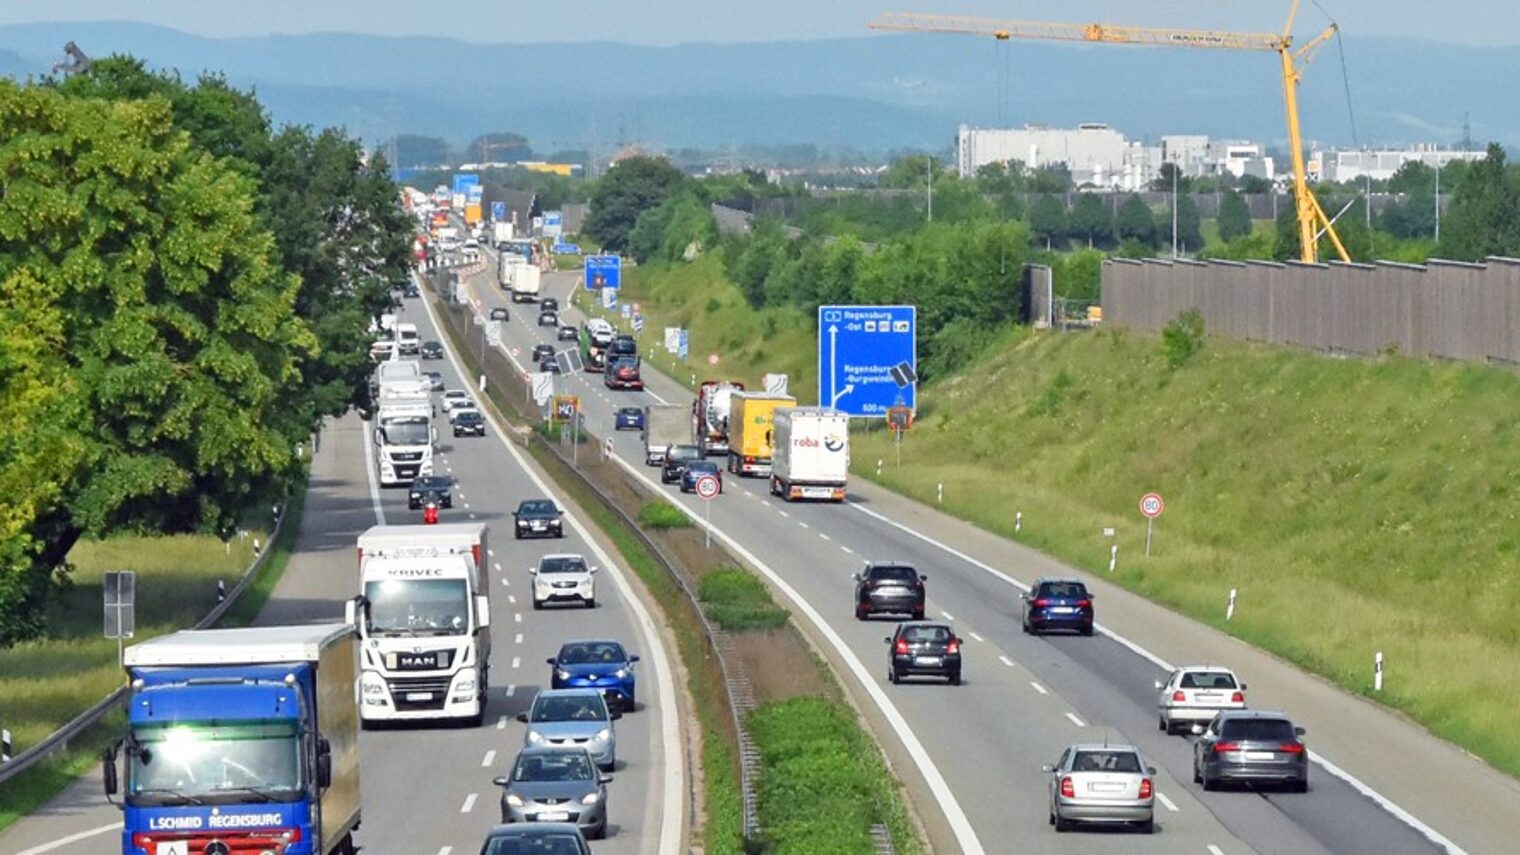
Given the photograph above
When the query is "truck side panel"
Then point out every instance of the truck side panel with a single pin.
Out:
(338, 720)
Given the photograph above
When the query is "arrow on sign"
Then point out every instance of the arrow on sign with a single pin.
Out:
(848, 388)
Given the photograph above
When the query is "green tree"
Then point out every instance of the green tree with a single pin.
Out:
(413, 151)
(1162, 183)
(630, 188)
(1254, 185)
(155, 293)
(1484, 217)
(1136, 222)
(1047, 219)
(1092, 220)
(910, 172)
(1051, 178)
(1234, 216)
(1189, 229)
(497, 147)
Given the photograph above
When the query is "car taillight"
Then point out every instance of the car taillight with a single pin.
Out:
(1291, 748)
(1238, 698)
(902, 645)
(1041, 603)
(954, 646)
(1222, 747)
(1068, 789)
(1145, 788)
(1179, 696)
(1084, 604)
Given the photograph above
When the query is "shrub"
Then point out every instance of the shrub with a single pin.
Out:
(659, 514)
(737, 601)
(1183, 337)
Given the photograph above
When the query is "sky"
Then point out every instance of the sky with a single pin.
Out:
(664, 22)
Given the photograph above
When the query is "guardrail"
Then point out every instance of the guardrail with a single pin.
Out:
(60, 738)
(501, 376)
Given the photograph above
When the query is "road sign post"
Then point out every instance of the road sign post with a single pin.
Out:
(120, 607)
(1151, 507)
(867, 358)
(707, 489)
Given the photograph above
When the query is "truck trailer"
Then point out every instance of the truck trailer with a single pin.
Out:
(812, 454)
(664, 425)
(240, 740)
(750, 427)
(709, 415)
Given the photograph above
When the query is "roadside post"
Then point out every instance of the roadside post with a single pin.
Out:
(899, 419)
(120, 608)
(707, 489)
(1229, 610)
(1151, 507)
(1377, 672)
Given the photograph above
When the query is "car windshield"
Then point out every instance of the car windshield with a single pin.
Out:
(205, 762)
(535, 843)
(1063, 590)
(927, 633)
(571, 708)
(1106, 761)
(592, 653)
(468, 416)
(430, 482)
(537, 509)
(1262, 729)
(1207, 680)
(684, 452)
(561, 565)
(624, 346)
(559, 766)
(701, 466)
(418, 606)
(894, 574)
(406, 430)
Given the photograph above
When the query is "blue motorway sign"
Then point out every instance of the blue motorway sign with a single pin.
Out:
(604, 271)
(553, 224)
(867, 358)
(566, 249)
(683, 344)
(499, 211)
(465, 180)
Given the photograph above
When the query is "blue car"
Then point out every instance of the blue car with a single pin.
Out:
(597, 664)
(696, 469)
(629, 418)
(1058, 604)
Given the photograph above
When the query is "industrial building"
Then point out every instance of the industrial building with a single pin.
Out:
(1378, 164)
(1100, 156)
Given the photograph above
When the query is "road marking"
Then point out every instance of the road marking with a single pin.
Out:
(1005, 660)
(472, 515)
(948, 616)
(506, 581)
(512, 599)
(511, 690)
(374, 483)
(72, 838)
(518, 639)
(783, 513)
(975, 636)
(803, 524)
(447, 850)
(1076, 721)
(467, 507)
(501, 723)
(1037, 687)
(491, 758)
(517, 617)
(469, 803)
(497, 565)
(1166, 801)
(848, 551)
(824, 536)
(492, 553)
(516, 661)
(1215, 850)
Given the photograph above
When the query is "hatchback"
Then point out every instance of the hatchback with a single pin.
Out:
(599, 664)
(538, 838)
(549, 365)
(542, 352)
(676, 458)
(1196, 693)
(1104, 783)
(924, 648)
(1058, 604)
(435, 379)
(500, 314)
(567, 332)
(1247, 745)
(573, 717)
(553, 784)
(548, 318)
(628, 418)
(889, 589)
(456, 398)
(431, 350)
(548, 304)
(695, 470)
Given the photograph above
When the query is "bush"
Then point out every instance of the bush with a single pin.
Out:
(737, 601)
(659, 514)
(1182, 338)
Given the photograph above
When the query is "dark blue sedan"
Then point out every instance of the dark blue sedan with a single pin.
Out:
(694, 470)
(598, 664)
(1058, 604)
(628, 418)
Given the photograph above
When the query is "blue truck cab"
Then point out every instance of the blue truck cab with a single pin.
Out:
(240, 741)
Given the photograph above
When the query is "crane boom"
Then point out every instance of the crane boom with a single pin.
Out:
(1308, 208)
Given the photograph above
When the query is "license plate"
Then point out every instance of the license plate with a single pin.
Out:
(1259, 755)
(1105, 787)
(926, 660)
(554, 816)
(1063, 610)
(419, 696)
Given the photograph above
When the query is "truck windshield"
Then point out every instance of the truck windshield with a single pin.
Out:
(185, 763)
(407, 430)
(418, 606)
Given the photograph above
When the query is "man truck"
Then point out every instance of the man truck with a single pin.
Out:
(812, 453)
(404, 437)
(749, 431)
(664, 425)
(240, 740)
(709, 415)
(424, 617)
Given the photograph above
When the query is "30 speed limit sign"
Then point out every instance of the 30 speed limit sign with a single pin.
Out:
(1151, 505)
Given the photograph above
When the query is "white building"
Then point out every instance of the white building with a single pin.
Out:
(1093, 152)
(1378, 164)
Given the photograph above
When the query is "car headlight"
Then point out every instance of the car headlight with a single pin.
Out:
(535, 737)
(602, 735)
(620, 673)
(591, 798)
(373, 685)
(562, 674)
(514, 800)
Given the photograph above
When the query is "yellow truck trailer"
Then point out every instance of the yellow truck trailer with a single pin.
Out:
(749, 431)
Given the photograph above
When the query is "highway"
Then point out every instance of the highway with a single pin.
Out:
(428, 789)
(971, 755)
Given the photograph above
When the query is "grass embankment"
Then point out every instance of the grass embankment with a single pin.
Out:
(46, 683)
(1357, 506)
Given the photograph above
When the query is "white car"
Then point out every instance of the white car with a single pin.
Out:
(467, 407)
(456, 398)
(563, 578)
(471, 243)
(1196, 693)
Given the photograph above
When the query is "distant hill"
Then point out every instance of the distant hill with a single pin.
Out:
(872, 93)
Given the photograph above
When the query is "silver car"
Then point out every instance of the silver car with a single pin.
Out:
(573, 717)
(1195, 694)
(1103, 784)
(553, 784)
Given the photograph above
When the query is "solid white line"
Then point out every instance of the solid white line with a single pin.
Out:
(511, 689)
(72, 838)
(374, 483)
(516, 661)
(673, 773)
(469, 803)
(1037, 687)
(1006, 661)
(1215, 850)
(1382, 801)
(948, 616)
(1076, 721)
(447, 850)
(975, 636)
(1166, 801)
(489, 759)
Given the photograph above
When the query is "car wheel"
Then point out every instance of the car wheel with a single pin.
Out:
(918, 614)
(538, 605)
(860, 614)
(1050, 817)
(1299, 786)
(560, 533)
(1024, 625)
(1087, 631)
(955, 679)
(1197, 778)
(892, 676)
(1063, 825)
(1149, 826)
(591, 602)
(599, 832)
(1162, 726)
(1204, 779)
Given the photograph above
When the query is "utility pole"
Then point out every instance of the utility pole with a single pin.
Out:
(1438, 197)
(929, 176)
(1174, 210)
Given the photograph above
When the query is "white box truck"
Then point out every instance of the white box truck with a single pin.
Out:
(812, 453)
(424, 618)
(527, 282)
(664, 425)
(404, 438)
(408, 342)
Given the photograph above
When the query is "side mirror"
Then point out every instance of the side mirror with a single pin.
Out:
(522, 717)
(351, 612)
(435, 434)
(1197, 729)
(606, 779)
(532, 571)
(614, 714)
(324, 763)
(1024, 596)
(1243, 687)
(1299, 731)
(855, 576)
(923, 577)
(499, 780)
(594, 569)
(887, 640)
(1150, 770)
(108, 758)
(1047, 768)
(1158, 684)
(552, 661)
(482, 611)
(633, 658)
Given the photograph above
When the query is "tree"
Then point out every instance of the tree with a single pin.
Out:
(1092, 220)
(1234, 216)
(1189, 229)
(1412, 176)
(1484, 217)
(499, 146)
(1051, 178)
(1162, 183)
(1136, 222)
(1047, 219)
(630, 188)
(1254, 185)
(413, 151)
(910, 172)
(152, 294)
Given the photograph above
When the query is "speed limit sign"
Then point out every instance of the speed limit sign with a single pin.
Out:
(707, 487)
(1151, 505)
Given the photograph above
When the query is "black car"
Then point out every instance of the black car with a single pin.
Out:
(500, 314)
(924, 648)
(437, 488)
(549, 364)
(623, 345)
(431, 350)
(538, 518)
(889, 589)
(1058, 604)
(548, 838)
(1253, 746)
(567, 332)
(548, 304)
(411, 291)
(676, 459)
(542, 352)
(469, 423)
(623, 374)
(547, 318)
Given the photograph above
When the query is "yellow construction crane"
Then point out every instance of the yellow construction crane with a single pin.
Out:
(1294, 61)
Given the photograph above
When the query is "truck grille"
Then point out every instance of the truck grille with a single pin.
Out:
(437, 687)
(405, 456)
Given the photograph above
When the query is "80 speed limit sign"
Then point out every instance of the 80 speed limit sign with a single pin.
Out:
(1151, 505)
(707, 487)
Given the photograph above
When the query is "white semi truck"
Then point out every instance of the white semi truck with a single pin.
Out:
(424, 618)
(524, 280)
(404, 439)
(811, 459)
